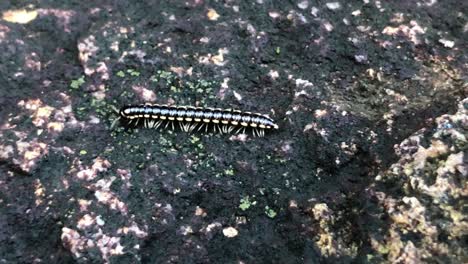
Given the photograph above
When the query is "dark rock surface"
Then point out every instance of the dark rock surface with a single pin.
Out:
(369, 163)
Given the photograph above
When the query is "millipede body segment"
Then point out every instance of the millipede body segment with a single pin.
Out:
(189, 118)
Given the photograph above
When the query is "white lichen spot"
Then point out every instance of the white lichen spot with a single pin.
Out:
(273, 74)
(224, 88)
(186, 230)
(356, 13)
(447, 43)
(99, 221)
(328, 26)
(310, 127)
(273, 14)
(314, 11)
(333, 5)
(239, 137)
(204, 40)
(230, 232)
(303, 83)
(303, 4)
(237, 95)
(292, 204)
(200, 211)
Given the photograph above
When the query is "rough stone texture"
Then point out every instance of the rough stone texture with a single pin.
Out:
(424, 195)
(346, 81)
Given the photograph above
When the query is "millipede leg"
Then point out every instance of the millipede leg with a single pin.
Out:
(157, 124)
(187, 127)
(254, 132)
(114, 122)
(192, 127)
(200, 126)
(115, 109)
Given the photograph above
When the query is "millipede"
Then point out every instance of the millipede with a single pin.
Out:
(189, 118)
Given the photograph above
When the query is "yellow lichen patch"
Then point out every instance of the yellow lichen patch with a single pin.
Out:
(411, 31)
(320, 113)
(326, 238)
(212, 14)
(89, 173)
(133, 229)
(34, 153)
(110, 199)
(21, 16)
(30, 153)
(178, 70)
(144, 93)
(39, 192)
(217, 59)
(55, 127)
(84, 204)
(78, 244)
(42, 115)
(86, 221)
